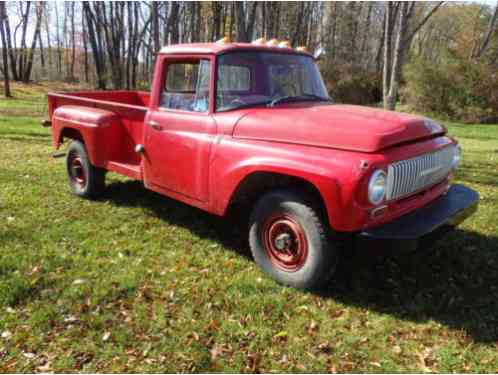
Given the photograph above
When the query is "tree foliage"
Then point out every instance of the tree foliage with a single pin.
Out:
(454, 65)
(368, 44)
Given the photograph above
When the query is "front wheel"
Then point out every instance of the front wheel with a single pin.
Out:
(289, 241)
(85, 180)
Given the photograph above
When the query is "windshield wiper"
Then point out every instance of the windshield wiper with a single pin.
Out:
(298, 98)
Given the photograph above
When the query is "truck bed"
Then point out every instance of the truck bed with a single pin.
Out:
(129, 106)
(138, 100)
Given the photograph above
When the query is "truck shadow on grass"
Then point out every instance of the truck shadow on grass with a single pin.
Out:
(455, 284)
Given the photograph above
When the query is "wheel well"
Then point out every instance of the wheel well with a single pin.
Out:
(258, 183)
(71, 134)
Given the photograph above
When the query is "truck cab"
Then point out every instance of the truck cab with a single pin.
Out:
(226, 123)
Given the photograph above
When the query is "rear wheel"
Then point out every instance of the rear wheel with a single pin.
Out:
(85, 180)
(290, 242)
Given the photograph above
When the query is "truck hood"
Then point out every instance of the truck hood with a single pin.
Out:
(346, 127)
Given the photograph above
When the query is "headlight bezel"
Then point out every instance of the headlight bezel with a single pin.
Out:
(374, 185)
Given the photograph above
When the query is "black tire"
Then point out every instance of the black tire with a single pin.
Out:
(85, 180)
(287, 219)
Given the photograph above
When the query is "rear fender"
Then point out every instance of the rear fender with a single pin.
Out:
(100, 130)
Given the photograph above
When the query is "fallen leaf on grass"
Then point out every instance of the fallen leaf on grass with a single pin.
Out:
(216, 351)
(78, 281)
(252, 362)
(422, 359)
(332, 370)
(336, 314)
(44, 368)
(282, 335)
(324, 347)
(106, 336)
(313, 327)
(70, 319)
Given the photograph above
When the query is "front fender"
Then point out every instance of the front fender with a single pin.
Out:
(326, 184)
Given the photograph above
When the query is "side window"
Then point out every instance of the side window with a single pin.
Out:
(187, 86)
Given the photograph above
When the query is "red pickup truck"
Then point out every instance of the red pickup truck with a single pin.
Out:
(252, 122)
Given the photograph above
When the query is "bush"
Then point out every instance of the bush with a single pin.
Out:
(460, 89)
(363, 88)
(347, 85)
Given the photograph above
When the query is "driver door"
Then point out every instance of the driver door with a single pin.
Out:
(179, 130)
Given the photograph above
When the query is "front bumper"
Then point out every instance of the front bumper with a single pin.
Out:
(421, 228)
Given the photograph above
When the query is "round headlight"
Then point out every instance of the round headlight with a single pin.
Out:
(377, 187)
(457, 155)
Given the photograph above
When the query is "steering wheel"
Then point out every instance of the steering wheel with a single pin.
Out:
(280, 89)
(236, 101)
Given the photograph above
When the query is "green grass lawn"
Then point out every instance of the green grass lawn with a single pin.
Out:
(138, 282)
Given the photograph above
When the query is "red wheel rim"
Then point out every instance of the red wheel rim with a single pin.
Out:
(77, 170)
(285, 242)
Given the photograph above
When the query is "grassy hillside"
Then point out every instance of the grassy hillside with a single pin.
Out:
(138, 282)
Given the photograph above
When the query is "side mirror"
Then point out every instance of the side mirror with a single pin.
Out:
(319, 52)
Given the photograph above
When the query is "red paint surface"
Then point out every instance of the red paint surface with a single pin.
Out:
(201, 158)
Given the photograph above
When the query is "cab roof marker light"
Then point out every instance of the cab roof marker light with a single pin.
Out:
(223, 40)
(302, 49)
(259, 41)
(272, 42)
(284, 44)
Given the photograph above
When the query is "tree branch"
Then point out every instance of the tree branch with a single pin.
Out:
(424, 20)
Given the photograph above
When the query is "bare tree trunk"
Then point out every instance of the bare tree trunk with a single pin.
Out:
(6, 86)
(22, 55)
(172, 25)
(73, 44)
(298, 28)
(397, 58)
(154, 13)
(240, 22)
(42, 51)
(215, 29)
(364, 44)
(491, 28)
(29, 58)
(394, 60)
(96, 44)
(85, 46)
(245, 27)
(10, 48)
(380, 49)
(334, 29)
(57, 35)
(388, 30)
(47, 31)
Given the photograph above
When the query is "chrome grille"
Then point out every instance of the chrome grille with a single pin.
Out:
(409, 176)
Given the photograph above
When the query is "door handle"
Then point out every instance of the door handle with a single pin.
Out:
(155, 125)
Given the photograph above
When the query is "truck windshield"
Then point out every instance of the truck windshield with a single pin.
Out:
(252, 78)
